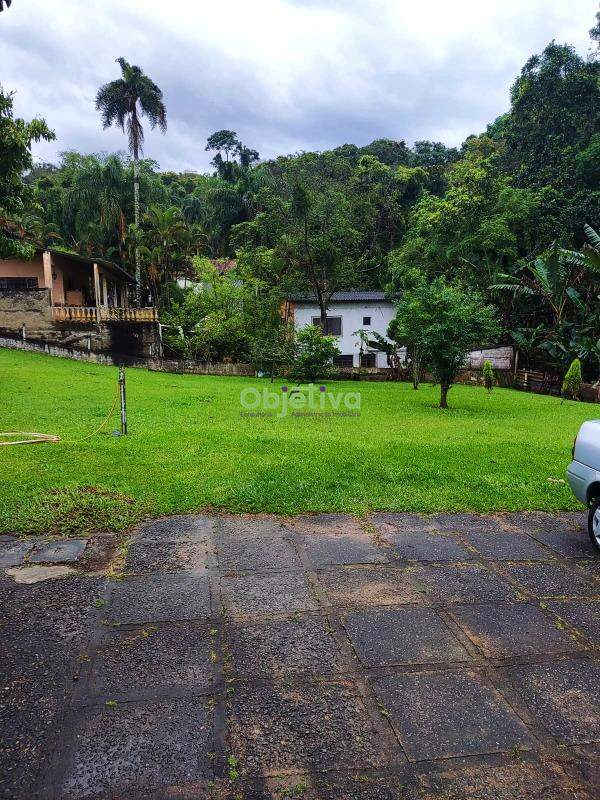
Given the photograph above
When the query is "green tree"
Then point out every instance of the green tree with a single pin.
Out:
(571, 386)
(489, 377)
(16, 137)
(123, 102)
(321, 244)
(221, 317)
(241, 156)
(167, 245)
(452, 320)
(313, 354)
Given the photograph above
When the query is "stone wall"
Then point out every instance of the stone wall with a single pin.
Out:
(31, 309)
(112, 359)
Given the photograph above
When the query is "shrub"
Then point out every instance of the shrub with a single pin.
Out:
(572, 382)
(489, 376)
(313, 354)
(272, 351)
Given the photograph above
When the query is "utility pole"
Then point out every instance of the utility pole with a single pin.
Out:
(123, 397)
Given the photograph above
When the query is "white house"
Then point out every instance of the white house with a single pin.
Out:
(347, 313)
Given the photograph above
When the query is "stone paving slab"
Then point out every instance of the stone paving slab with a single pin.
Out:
(62, 552)
(415, 546)
(285, 648)
(466, 523)
(569, 544)
(156, 656)
(502, 630)
(461, 583)
(328, 524)
(145, 556)
(254, 527)
(501, 546)
(256, 595)
(184, 528)
(382, 637)
(326, 786)
(534, 522)
(449, 714)
(43, 629)
(13, 553)
(377, 585)
(158, 598)
(552, 580)
(584, 762)
(321, 726)
(128, 748)
(238, 553)
(340, 548)
(564, 696)
(584, 617)
(405, 523)
(516, 779)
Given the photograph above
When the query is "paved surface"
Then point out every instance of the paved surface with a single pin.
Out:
(452, 657)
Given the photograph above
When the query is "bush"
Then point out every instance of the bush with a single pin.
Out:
(313, 355)
(489, 376)
(272, 352)
(572, 382)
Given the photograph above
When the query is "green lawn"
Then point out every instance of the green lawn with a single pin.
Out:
(189, 448)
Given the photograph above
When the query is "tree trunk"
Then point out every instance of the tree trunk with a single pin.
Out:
(136, 212)
(323, 318)
(444, 395)
(416, 372)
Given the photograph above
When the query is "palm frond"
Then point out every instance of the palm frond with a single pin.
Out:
(593, 237)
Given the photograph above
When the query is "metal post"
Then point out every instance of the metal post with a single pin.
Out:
(123, 400)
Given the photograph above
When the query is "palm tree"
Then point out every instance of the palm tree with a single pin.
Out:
(99, 193)
(123, 101)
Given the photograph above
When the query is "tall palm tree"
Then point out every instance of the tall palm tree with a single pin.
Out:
(123, 102)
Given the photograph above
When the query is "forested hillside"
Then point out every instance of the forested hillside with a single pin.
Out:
(513, 213)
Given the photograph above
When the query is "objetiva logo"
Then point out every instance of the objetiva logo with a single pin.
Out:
(299, 401)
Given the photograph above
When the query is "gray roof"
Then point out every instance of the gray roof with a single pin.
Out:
(351, 296)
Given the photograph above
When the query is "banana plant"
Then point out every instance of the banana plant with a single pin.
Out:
(552, 278)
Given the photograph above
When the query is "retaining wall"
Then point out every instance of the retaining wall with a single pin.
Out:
(31, 309)
(114, 359)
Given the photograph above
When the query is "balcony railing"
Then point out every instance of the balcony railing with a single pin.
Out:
(93, 315)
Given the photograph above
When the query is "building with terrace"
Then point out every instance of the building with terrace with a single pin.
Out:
(62, 297)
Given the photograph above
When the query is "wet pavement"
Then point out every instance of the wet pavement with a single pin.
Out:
(452, 657)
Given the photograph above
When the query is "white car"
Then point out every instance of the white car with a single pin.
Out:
(583, 474)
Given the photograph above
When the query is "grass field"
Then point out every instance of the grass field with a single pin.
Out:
(189, 448)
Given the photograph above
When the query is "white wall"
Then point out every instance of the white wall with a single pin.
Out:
(380, 311)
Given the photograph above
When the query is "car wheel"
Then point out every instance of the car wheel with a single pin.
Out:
(594, 524)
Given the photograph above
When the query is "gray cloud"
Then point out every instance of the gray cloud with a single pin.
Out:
(287, 76)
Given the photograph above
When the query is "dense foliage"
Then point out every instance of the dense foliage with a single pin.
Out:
(16, 137)
(512, 215)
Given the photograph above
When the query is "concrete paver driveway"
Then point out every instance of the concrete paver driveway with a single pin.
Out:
(399, 656)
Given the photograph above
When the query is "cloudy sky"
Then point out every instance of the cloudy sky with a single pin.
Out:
(287, 75)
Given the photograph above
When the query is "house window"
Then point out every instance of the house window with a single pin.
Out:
(333, 325)
(367, 360)
(366, 320)
(344, 361)
(19, 284)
